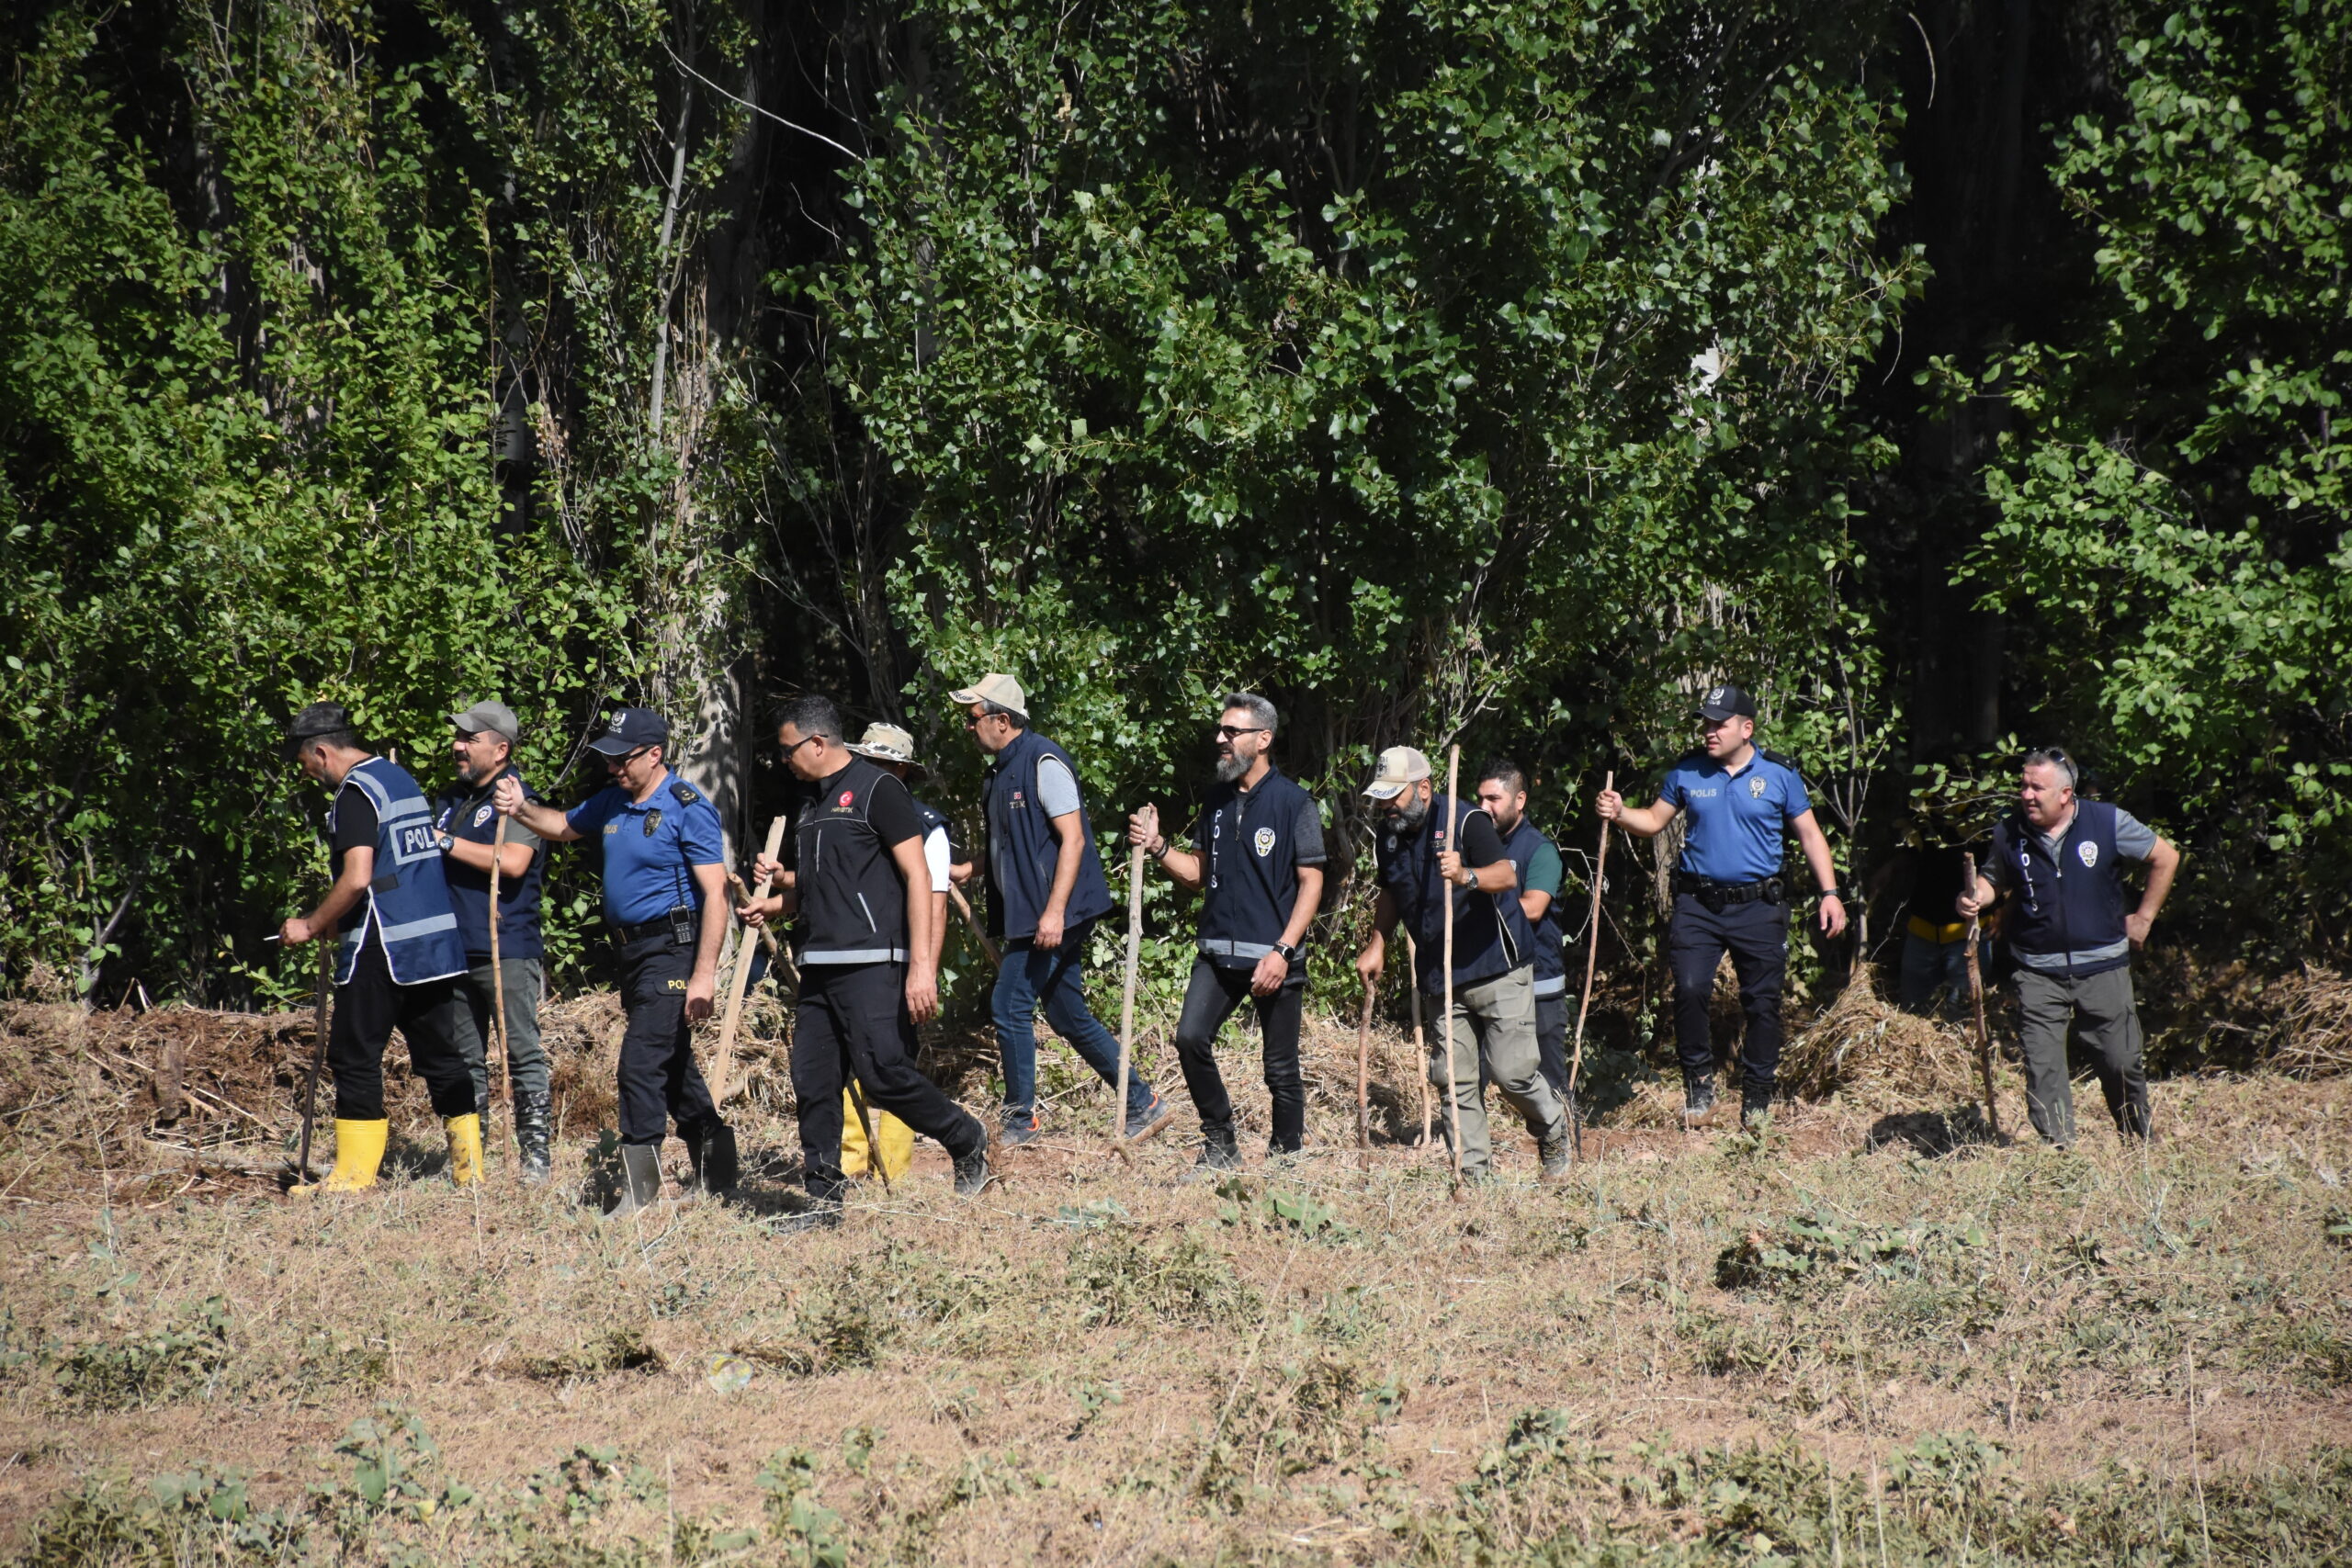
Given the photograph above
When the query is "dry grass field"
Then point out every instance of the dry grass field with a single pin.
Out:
(1868, 1337)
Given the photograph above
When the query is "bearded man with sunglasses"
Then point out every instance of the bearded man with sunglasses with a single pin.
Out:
(1259, 868)
(665, 879)
(2057, 864)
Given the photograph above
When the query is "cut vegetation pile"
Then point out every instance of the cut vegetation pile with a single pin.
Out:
(2312, 1035)
(1863, 1045)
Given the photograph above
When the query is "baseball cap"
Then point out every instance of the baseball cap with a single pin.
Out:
(318, 718)
(1399, 766)
(887, 743)
(488, 717)
(1726, 702)
(630, 728)
(1002, 690)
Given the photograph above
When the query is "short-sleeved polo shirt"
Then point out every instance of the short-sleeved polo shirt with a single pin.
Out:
(1736, 818)
(650, 848)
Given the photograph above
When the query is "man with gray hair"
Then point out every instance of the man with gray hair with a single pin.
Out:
(1259, 867)
(465, 819)
(2058, 864)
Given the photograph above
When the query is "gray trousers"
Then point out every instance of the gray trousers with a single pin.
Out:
(2100, 1011)
(526, 1064)
(1494, 1036)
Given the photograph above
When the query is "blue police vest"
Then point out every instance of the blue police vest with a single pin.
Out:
(1490, 933)
(2070, 902)
(1249, 871)
(1550, 960)
(408, 902)
(1021, 878)
(518, 897)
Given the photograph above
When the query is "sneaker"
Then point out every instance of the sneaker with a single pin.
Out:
(972, 1172)
(1020, 1129)
(1150, 1119)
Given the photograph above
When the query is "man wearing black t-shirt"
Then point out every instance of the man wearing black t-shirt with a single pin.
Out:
(868, 969)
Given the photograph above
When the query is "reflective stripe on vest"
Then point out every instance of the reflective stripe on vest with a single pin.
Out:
(408, 901)
(853, 899)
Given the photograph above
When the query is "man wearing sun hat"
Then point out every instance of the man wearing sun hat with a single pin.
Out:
(1432, 851)
(1046, 891)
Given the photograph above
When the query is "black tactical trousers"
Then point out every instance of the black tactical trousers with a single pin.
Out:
(658, 1080)
(852, 1019)
(1209, 1000)
(431, 1016)
(1756, 934)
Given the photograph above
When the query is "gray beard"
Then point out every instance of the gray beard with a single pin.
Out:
(1230, 769)
(1411, 817)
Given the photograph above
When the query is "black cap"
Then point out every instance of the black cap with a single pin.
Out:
(318, 718)
(630, 728)
(1726, 702)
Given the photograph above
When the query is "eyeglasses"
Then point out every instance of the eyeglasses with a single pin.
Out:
(1228, 731)
(615, 764)
(796, 746)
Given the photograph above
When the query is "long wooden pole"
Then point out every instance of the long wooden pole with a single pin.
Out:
(1591, 960)
(500, 1090)
(1977, 997)
(723, 1063)
(1421, 1037)
(318, 1058)
(1127, 993)
(1453, 1096)
(1363, 1082)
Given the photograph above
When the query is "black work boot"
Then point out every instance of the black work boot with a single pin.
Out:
(640, 1180)
(1698, 1099)
(973, 1172)
(1218, 1154)
(1755, 1106)
(531, 1136)
(711, 1150)
(1552, 1148)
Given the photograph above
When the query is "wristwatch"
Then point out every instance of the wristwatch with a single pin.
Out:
(1290, 954)
(446, 841)
(1829, 892)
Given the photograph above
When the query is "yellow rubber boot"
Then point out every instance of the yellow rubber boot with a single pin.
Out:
(358, 1154)
(465, 1148)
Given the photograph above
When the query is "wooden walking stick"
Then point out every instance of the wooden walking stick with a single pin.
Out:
(1421, 1040)
(1363, 1082)
(1128, 995)
(500, 1090)
(1976, 996)
(1453, 1095)
(318, 1059)
(955, 896)
(723, 1063)
(866, 1125)
(1591, 959)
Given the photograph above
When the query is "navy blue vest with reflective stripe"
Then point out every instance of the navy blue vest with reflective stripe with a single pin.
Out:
(1490, 934)
(2072, 902)
(1551, 963)
(1249, 871)
(1031, 849)
(852, 900)
(408, 902)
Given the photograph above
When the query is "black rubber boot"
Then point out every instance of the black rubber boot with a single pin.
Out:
(716, 1166)
(1218, 1154)
(531, 1138)
(640, 1180)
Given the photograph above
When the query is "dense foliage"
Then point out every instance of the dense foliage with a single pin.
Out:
(1496, 372)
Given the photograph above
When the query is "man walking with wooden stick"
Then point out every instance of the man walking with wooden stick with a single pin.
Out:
(1047, 889)
(472, 835)
(1257, 865)
(1437, 853)
(2058, 864)
(868, 956)
(666, 901)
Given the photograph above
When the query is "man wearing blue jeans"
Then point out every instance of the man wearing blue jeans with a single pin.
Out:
(1046, 891)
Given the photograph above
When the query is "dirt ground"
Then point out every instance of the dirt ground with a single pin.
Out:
(1871, 1317)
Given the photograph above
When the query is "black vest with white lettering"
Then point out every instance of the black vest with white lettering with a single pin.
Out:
(1490, 933)
(2070, 901)
(853, 899)
(1248, 871)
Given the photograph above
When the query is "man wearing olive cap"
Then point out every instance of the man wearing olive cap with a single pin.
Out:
(1730, 894)
(665, 881)
(1046, 891)
(467, 822)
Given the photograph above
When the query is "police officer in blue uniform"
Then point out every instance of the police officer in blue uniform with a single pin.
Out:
(2057, 866)
(1729, 891)
(467, 823)
(1259, 872)
(1046, 891)
(868, 959)
(665, 880)
(1503, 792)
(398, 957)
(1432, 849)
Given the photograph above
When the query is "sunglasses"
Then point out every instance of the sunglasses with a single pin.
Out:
(796, 746)
(1228, 731)
(615, 764)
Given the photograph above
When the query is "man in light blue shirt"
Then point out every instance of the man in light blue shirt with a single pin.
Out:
(1729, 893)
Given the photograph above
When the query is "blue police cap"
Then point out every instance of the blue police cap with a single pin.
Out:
(630, 728)
(1726, 702)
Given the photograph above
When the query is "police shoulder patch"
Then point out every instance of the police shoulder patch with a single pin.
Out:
(1772, 756)
(687, 795)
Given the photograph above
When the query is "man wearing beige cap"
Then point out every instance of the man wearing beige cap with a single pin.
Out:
(1046, 891)
(1431, 850)
(465, 818)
